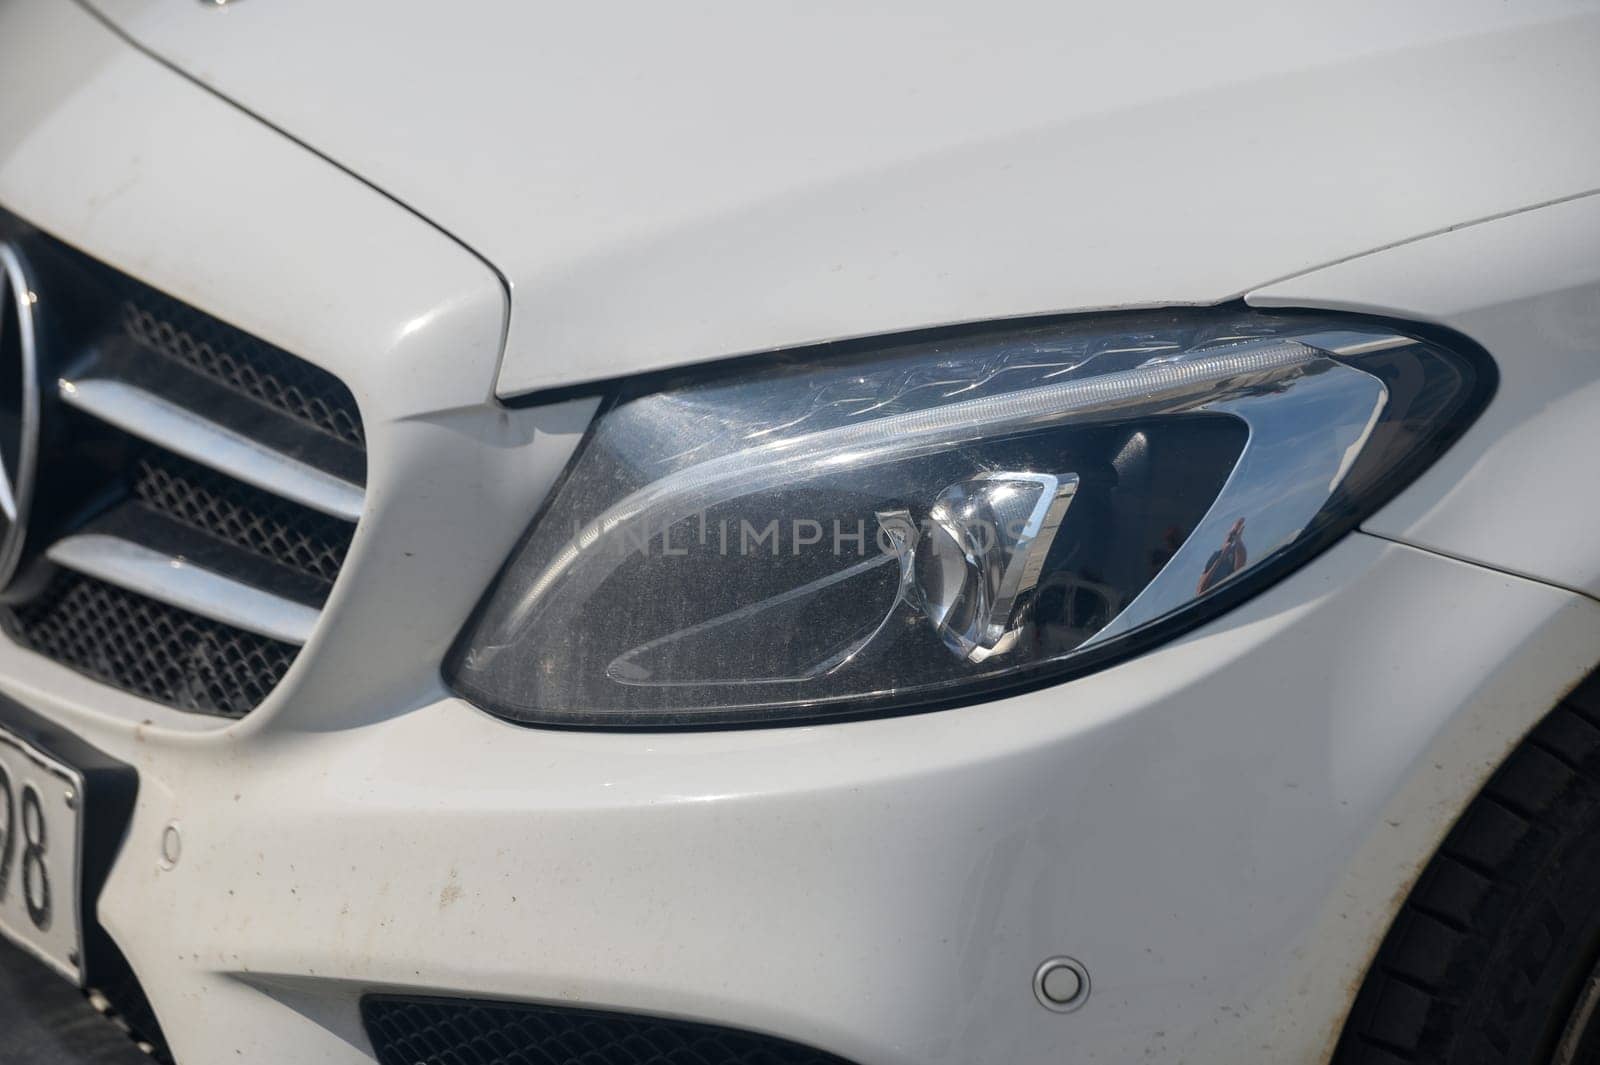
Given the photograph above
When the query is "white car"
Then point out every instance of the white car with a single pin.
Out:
(775, 534)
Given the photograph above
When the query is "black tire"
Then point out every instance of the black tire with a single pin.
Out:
(1492, 955)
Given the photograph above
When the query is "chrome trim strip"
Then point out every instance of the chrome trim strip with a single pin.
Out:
(1352, 342)
(179, 429)
(174, 580)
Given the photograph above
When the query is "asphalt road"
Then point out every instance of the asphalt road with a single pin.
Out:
(45, 1021)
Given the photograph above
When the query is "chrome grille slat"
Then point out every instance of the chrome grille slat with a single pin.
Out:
(159, 420)
(119, 358)
(175, 581)
(138, 523)
(211, 503)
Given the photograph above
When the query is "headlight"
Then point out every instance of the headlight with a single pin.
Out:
(917, 522)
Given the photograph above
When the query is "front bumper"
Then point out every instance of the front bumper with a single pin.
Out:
(1214, 830)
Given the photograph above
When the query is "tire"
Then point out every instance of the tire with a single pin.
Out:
(1491, 961)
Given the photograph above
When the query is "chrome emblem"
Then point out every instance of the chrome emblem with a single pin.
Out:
(19, 409)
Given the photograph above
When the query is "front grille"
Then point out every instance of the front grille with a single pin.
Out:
(149, 648)
(414, 1031)
(242, 363)
(176, 443)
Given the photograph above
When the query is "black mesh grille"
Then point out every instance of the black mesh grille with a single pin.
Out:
(244, 364)
(259, 522)
(446, 1032)
(149, 648)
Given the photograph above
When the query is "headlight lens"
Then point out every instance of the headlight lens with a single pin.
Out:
(919, 522)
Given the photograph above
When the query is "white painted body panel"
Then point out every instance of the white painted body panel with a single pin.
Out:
(668, 184)
(1220, 830)
(1522, 490)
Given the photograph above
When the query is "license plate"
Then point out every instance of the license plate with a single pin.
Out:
(40, 844)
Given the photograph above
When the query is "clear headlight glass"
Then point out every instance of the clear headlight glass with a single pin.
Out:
(919, 522)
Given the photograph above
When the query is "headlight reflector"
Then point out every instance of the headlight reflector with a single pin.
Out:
(910, 523)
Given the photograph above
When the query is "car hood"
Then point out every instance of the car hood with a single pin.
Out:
(664, 183)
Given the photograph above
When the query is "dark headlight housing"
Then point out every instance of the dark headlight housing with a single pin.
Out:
(923, 521)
